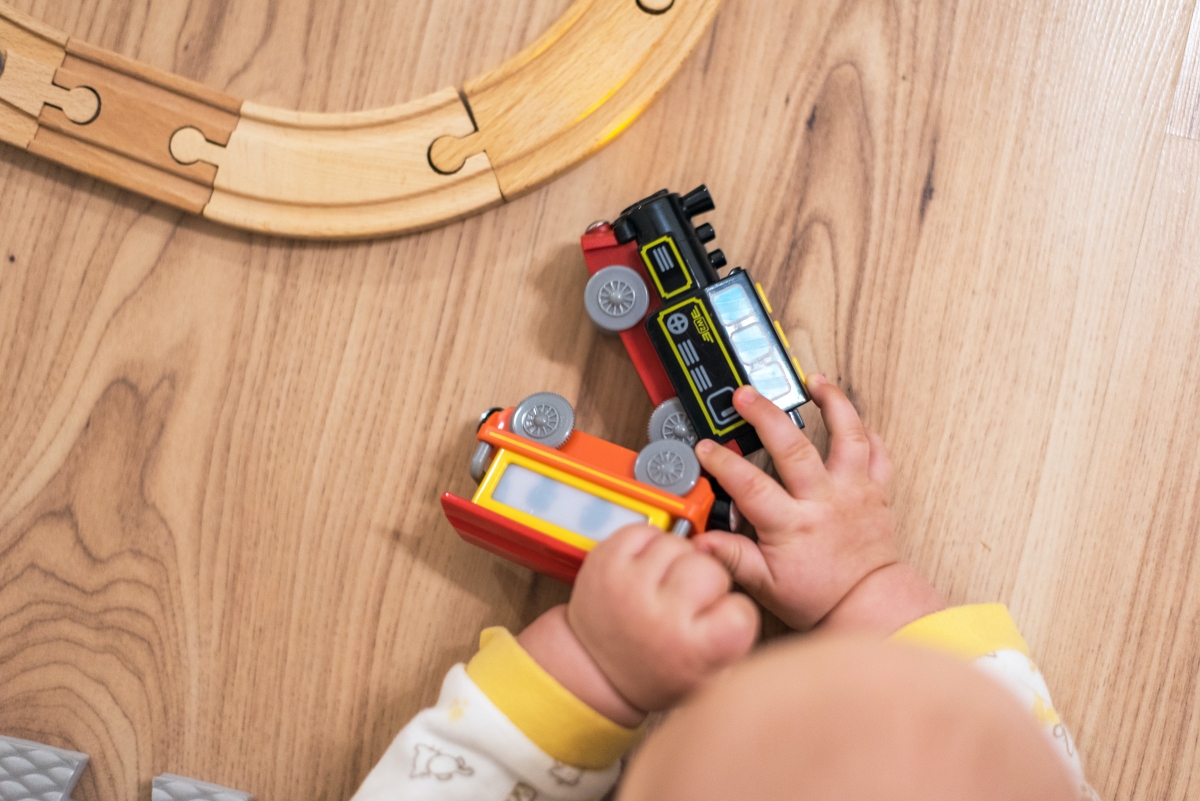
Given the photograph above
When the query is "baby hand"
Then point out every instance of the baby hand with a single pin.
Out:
(826, 547)
(657, 616)
(649, 619)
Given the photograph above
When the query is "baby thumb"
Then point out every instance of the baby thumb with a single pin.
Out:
(729, 628)
(741, 558)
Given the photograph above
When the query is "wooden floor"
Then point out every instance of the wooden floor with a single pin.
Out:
(221, 552)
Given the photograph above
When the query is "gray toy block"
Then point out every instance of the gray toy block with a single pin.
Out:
(169, 787)
(36, 772)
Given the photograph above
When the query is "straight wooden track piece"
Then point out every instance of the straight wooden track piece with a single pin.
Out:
(30, 52)
(128, 141)
(388, 171)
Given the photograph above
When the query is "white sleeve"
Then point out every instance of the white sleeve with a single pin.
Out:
(466, 748)
(987, 636)
(1020, 676)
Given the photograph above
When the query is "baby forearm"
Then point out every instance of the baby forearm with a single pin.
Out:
(884, 602)
(554, 646)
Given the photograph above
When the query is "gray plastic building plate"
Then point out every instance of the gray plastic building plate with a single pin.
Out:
(169, 787)
(36, 772)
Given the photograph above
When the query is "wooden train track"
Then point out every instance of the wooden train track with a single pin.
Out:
(387, 171)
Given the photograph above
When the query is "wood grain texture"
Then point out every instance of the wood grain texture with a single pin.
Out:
(221, 552)
(1185, 113)
(1143, 478)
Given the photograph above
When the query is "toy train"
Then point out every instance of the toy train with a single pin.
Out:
(696, 337)
(546, 493)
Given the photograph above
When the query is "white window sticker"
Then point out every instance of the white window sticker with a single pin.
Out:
(562, 505)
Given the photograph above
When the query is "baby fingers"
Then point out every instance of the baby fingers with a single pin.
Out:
(759, 497)
(796, 459)
(849, 447)
(741, 557)
(695, 580)
(880, 466)
(728, 628)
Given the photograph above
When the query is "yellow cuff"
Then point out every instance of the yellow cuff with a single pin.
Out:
(547, 713)
(966, 631)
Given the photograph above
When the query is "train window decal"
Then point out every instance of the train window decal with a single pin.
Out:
(572, 509)
(753, 337)
(689, 331)
(560, 504)
(667, 267)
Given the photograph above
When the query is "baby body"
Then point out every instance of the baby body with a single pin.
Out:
(891, 694)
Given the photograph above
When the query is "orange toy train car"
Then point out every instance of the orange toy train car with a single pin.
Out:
(547, 493)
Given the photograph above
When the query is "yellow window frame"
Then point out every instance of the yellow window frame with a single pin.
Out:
(503, 458)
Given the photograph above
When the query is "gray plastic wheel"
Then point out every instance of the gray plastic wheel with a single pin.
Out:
(481, 460)
(545, 418)
(670, 421)
(616, 299)
(668, 465)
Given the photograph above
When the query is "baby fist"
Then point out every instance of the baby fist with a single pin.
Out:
(657, 615)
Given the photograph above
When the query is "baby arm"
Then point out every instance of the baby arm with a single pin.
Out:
(826, 556)
(649, 619)
(548, 714)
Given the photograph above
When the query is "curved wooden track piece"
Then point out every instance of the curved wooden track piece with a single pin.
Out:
(389, 171)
